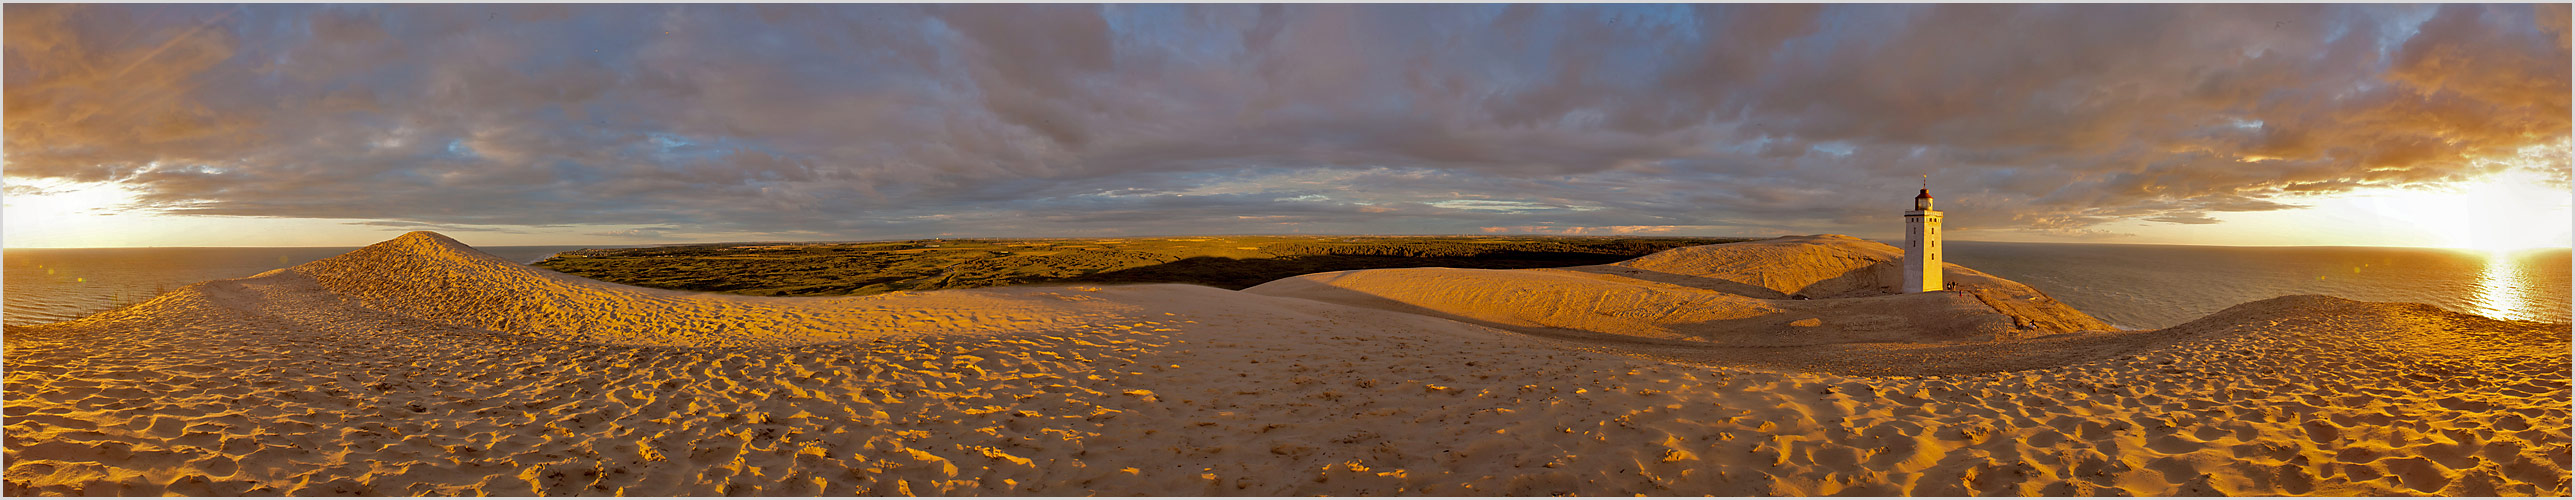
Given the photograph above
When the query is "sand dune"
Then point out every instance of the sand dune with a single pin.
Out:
(419, 366)
(427, 276)
(1836, 266)
(1794, 291)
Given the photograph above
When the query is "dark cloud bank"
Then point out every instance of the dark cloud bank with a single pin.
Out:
(884, 121)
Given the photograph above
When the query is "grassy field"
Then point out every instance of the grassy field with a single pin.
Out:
(1231, 262)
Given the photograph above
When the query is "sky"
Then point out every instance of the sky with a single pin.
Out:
(342, 125)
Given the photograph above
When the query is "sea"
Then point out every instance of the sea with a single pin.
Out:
(2156, 286)
(2131, 286)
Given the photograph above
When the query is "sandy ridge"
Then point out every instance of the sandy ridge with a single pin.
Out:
(317, 381)
(431, 277)
(1791, 291)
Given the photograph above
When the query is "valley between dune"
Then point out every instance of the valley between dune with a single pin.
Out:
(1775, 367)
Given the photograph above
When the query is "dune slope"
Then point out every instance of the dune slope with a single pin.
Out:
(1791, 291)
(1836, 266)
(427, 276)
(322, 381)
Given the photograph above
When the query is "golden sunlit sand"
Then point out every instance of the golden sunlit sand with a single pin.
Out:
(422, 366)
(1755, 293)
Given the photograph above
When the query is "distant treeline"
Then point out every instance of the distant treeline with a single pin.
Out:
(1225, 262)
(1430, 247)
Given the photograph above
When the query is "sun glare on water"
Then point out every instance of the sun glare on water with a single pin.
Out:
(2503, 290)
(2503, 216)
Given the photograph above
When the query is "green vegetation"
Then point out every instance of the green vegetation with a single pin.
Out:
(1231, 262)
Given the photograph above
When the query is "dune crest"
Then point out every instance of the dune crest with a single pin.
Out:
(348, 378)
(1790, 291)
(1816, 266)
(1838, 266)
(428, 276)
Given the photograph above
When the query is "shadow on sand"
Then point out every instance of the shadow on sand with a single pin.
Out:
(1237, 274)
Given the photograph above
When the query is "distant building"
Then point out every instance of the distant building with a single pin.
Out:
(1922, 244)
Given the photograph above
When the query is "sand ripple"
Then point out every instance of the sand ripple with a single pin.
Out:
(286, 384)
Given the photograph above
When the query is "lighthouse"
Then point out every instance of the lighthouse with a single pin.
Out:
(1922, 244)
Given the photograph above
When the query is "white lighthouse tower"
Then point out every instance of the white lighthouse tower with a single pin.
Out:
(1922, 244)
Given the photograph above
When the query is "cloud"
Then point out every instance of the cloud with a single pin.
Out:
(637, 233)
(1582, 230)
(887, 121)
(31, 190)
(2184, 218)
(430, 226)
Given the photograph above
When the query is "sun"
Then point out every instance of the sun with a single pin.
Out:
(2509, 211)
(44, 212)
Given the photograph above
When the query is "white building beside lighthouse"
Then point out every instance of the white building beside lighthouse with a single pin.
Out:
(1922, 245)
